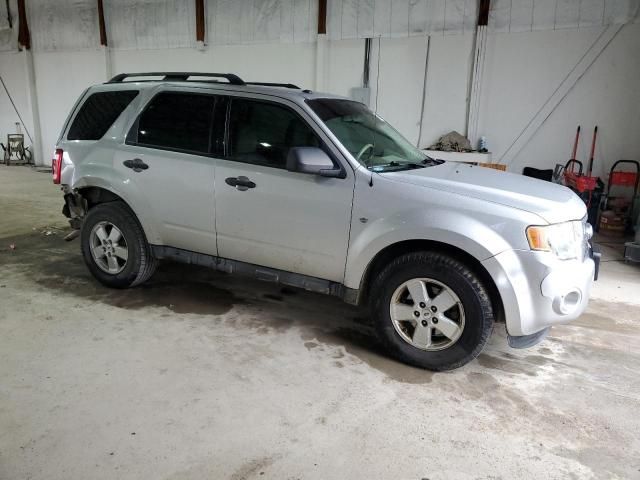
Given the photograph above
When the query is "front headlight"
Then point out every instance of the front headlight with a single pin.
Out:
(565, 240)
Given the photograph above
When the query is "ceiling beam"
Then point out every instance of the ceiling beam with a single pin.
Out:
(200, 20)
(483, 12)
(101, 24)
(322, 16)
(24, 38)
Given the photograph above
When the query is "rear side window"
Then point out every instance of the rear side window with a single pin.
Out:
(177, 121)
(262, 133)
(98, 113)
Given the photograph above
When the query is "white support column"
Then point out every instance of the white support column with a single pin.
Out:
(108, 66)
(40, 157)
(322, 47)
(477, 72)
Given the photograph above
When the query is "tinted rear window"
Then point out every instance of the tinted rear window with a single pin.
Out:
(98, 113)
(177, 121)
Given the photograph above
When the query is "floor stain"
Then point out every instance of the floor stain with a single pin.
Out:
(58, 265)
(310, 345)
(252, 468)
(271, 296)
(364, 347)
(508, 365)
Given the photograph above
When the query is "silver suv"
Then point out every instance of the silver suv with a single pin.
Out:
(316, 191)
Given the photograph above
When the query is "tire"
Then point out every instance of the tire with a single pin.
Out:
(470, 319)
(110, 219)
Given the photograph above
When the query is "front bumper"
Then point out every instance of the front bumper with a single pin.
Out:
(538, 290)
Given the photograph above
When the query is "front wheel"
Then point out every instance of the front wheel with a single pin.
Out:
(114, 246)
(431, 310)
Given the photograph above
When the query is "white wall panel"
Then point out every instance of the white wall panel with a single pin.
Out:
(399, 18)
(74, 72)
(520, 76)
(445, 106)
(454, 16)
(435, 16)
(591, 13)
(149, 23)
(381, 18)
(470, 16)
(544, 14)
(521, 18)
(418, 17)
(267, 21)
(500, 16)
(344, 66)
(305, 20)
(235, 22)
(290, 62)
(399, 22)
(8, 36)
(63, 24)
(14, 74)
(365, 18)
(525, 15)
(567, 13)
(349, 23)
(4, 20)
(334, 19)
(398, 90)
(620, 11)
(286, 21)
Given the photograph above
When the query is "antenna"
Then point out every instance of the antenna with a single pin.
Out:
(378, 77)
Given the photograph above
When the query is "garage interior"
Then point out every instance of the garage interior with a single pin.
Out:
(198, 374)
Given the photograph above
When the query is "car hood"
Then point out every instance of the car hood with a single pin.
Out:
(554, 203)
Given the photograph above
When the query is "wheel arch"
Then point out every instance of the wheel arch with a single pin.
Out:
(99, 194)
(390, 252)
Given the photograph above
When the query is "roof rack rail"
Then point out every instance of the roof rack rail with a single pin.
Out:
(178, 76)
(269, 84)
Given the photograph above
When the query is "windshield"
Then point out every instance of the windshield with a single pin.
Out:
(371, 140)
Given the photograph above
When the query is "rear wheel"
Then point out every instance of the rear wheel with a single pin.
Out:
(431, 310)
(114, 246)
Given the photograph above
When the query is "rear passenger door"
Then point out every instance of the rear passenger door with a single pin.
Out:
(287, 220)
(168, 155)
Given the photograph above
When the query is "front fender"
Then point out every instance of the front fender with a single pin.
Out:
(451, 228)
(386, 212)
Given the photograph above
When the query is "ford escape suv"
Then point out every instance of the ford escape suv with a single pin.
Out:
(316, 191)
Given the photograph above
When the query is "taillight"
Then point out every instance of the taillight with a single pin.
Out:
(56, 166)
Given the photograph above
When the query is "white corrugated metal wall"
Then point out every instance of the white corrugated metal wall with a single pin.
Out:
(152, 24)
(402, 18)
(275, 40)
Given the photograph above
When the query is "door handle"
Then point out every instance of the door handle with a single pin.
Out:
(241, 183)
(136, 164)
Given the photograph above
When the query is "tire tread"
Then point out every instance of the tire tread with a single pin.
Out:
(435, 258)
(121, 214)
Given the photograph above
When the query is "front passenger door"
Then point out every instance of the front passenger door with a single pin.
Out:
(285, 220)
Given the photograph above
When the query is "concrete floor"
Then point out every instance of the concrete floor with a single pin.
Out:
(200, 375)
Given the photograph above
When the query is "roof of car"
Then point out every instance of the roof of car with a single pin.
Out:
(230, 82)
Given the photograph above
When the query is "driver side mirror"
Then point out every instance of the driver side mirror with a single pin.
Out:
(312, 160)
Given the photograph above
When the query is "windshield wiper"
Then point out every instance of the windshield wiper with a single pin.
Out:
(432, 161)
(393, 165)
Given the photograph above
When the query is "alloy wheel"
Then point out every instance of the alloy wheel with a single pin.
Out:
(427, 314)
(108, 248)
